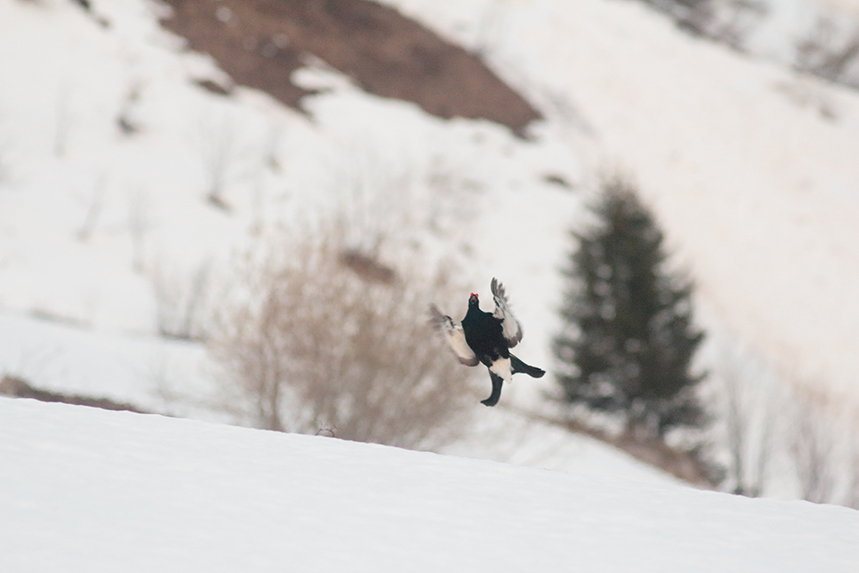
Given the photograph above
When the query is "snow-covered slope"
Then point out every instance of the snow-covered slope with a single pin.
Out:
(84, 490)
(95, 220)
(751, 169)
(846, 5)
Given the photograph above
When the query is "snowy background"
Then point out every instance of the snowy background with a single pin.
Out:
(752, 169)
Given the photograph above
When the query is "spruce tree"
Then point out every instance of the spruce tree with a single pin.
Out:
(628, 339)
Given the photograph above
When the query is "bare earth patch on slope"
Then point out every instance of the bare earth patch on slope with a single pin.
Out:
(259, 43)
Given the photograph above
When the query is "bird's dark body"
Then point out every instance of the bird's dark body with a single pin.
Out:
(486, 338)
(484, 334)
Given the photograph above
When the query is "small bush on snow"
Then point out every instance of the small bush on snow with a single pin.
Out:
(308, 343)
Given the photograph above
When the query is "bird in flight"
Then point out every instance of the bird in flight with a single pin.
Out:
(486, 338)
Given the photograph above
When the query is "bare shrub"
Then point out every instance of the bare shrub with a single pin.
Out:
(813, 447)
(851, 497)
(784, 432)
(812, 95)
(181, 302)
(63, 122)
(125, 120)
(140, 223)
(726, 21)
(828, 52)
(748, 409)
(5, 164)
(94, 208)
(824, 445)
(309, 345)
(222, 153)
(380, 196)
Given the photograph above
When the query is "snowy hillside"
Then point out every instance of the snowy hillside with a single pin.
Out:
(85, 490)
(850, 5)
(758, 188)
(121, 180)
(756, 185)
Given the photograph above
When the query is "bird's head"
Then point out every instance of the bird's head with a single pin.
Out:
(472, 300)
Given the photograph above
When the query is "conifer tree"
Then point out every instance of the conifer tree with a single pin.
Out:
(628, 339)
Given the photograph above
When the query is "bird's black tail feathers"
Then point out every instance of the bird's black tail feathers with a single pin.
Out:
(497, 381)
(519, 366)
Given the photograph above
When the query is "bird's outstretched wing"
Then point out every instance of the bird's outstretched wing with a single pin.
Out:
(454, 335)
(512, 328)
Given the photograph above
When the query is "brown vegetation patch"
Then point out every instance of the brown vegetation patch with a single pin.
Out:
(685, 464)
(261, 42)
(19, 388)
(311, 343)
(368, 267)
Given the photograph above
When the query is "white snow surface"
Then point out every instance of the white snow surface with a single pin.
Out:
(94, 491)
(751, 168)
(847, 5)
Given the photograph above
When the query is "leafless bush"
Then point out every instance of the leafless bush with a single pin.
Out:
(182, 302)
(814, 446)
(220, 151)
(140, 223)
(310, 345)
(782, 432)
(272, 148)
(828, 52)
(452, 198)
(726, 21)
(5, 169)
(824, 445)
(33, 2)
(810, 94)
(378, 199)
(125, 120)
(749, 408)
(63, 121)
(851, 499)
(95, 205)
(382, 197)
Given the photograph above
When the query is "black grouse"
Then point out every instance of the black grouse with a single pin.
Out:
(487, 337)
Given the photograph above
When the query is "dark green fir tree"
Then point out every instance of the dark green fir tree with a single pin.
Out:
(628, 339)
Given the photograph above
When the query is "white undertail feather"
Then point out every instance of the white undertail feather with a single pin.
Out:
(503, 368)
